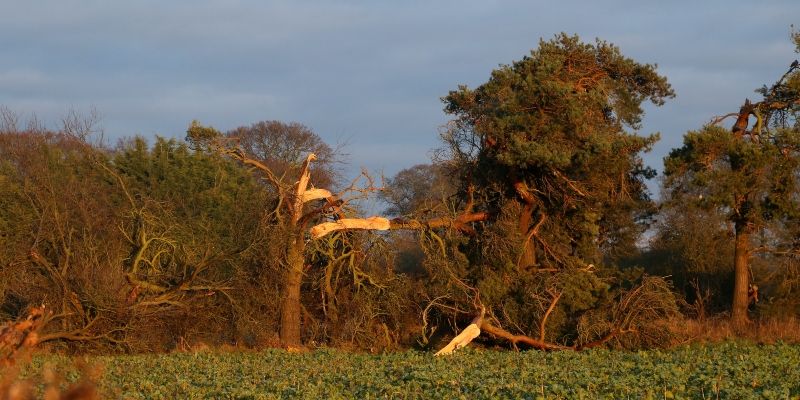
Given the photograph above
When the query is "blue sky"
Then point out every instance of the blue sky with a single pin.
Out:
(368, 73)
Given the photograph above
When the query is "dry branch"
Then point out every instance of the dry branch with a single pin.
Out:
(516, 339)
(467, 335)
(543, 323)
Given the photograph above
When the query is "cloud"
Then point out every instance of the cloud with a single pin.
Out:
(370, 73)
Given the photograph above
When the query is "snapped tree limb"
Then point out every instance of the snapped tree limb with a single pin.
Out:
(501, 333)
(460, 223)
(467, 335)
(315, 194)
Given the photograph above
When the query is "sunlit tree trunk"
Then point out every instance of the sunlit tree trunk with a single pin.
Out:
(290, 332)
(741, 260)
(528, 257)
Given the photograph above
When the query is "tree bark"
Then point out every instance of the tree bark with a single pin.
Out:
(516, 339)
(528, 258)
(291, 309)
(741, 271)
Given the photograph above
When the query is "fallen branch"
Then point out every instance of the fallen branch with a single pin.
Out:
(371, 223)
(516, 339)
(467, 335)
(603, 340)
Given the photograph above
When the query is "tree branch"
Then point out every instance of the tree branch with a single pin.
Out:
(515, 339)
(550, 309)
(459, 223)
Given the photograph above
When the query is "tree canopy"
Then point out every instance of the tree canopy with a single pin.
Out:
(549, 148)
(748, 173)
(550, 132)
(533, 211)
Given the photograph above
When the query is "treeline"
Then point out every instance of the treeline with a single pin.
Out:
(147, 247)
(535, 210)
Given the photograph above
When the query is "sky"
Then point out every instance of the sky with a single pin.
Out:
(366, 74)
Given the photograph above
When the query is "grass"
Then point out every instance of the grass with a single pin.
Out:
(716, 330)
(725, 370)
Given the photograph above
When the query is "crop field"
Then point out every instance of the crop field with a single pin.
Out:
(703, 372)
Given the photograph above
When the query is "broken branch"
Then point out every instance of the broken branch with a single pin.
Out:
(550, 309)
(515, 339)
(382, 224)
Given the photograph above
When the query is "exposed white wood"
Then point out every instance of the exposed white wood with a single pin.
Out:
(371, 223)
(463, 339)
(315, 194)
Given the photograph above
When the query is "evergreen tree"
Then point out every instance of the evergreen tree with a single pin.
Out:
(750, 173)
(554, 134)
(548, 147)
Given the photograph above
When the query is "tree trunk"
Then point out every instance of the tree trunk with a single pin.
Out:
(291, 308)
(528, 257)
(741, 271)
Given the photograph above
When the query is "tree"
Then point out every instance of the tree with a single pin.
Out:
(542, 153)
(283, 146)
(297, 205)
(548, 133)
(60, 235)
(423, 188)
(549, 147)
(748, 173)
(300, 209)
(191, 222)
(121, 244)
(691, 244)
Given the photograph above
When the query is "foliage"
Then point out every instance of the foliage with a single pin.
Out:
(63, 248)
(193, 224)
(750, 180)
(337, 266)
(728, 370)
(537, 197)
(548, 147)
(747, 174)
(284, 146)
(549, 132)
(122, 245)
(693, 247)
(421, 189)
(365, 304)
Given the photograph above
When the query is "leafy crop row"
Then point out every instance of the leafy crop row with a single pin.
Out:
(718, 371)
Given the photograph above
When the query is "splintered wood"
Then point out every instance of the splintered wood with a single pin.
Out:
(371, 223)
(315, 194)
(463, 339)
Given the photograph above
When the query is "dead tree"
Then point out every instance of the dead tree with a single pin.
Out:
(299, 203)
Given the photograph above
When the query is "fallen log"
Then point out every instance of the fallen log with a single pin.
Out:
(516, 339)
